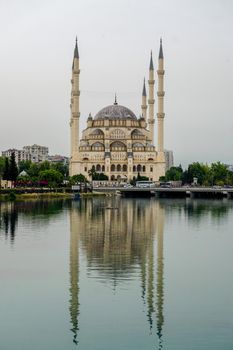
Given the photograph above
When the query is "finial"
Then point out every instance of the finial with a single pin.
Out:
(151, 61)
(76, 54)
(144, 88)
(115, 103)
(161, 49)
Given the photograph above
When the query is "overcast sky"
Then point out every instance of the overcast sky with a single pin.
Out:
(115, 38)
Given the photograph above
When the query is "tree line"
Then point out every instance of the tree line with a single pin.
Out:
(206, 175)
(44, 173)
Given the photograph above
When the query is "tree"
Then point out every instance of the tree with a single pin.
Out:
(198, 170)
(6, 174)
(13, 169)
(2, 166)
(174, 174)
(53, 177)
(92, 172)
(142, 178)
(77, 178)
(24, 165)
(44, 166)
(61, 167)
(100, 177)
(219, 173)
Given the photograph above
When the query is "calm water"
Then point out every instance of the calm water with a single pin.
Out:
(114, 274)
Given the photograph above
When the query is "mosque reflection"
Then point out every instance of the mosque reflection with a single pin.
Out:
(117, 237)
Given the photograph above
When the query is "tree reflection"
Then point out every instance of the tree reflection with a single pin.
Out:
(11, 211)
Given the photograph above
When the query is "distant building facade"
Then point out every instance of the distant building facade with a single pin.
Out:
(38, 153)
(58, 159)
(116, 142)
(169, 159)
(34, 153)
(19, 154)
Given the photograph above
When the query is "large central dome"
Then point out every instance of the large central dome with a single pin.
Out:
(115, 112)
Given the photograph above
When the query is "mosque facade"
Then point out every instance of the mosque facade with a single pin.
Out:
(115, 141)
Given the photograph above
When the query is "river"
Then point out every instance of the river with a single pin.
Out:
(110, 273)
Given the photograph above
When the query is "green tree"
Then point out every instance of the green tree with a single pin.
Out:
(44, 166)
(24, 165)
(2, 166)
(33, 171)
(92, 172)
(198, 170)
(6, 173)
(53, 177)
(219, 173)
(61, 167)
(174, 174)
(13, 169)
(100, 177)
(77, 178)
(142, 178)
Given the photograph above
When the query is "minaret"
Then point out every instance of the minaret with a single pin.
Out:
(75, 113)
(160, 94)
(151, 100)
(144, 105)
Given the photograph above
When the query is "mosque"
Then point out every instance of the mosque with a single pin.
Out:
(116, 142)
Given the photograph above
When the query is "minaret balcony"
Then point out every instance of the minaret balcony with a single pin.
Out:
(151, 101)
(160, 71)
(160, 93)
(76, 93)
(160, 115)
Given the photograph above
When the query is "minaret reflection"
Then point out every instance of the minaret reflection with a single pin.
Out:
(119, 238)
(160, 282)
(74, 272)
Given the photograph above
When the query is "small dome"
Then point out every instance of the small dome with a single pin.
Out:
(115, 112)
(23, 173)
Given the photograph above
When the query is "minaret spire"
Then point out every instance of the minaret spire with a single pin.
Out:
(151, 100)
(161, 49)
(151, 61)
(115, 103)
(76, 53)
(144, 105)
(75, 113)
(160, 94)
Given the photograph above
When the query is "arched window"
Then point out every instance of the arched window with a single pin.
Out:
(118, 146)
(103, 168)
(143, 168)
(139, 168)
(97, 146)
(113, 178)
(98, 167)
(113, 167)
(124, 167)
(134, 168)
(118, 167)
(97, 132)
(137, 134)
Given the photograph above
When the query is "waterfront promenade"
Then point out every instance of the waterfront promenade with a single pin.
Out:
(199, 192)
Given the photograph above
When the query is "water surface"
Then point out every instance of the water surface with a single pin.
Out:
(112, 273)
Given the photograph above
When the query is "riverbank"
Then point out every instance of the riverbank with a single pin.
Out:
(11, 195)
